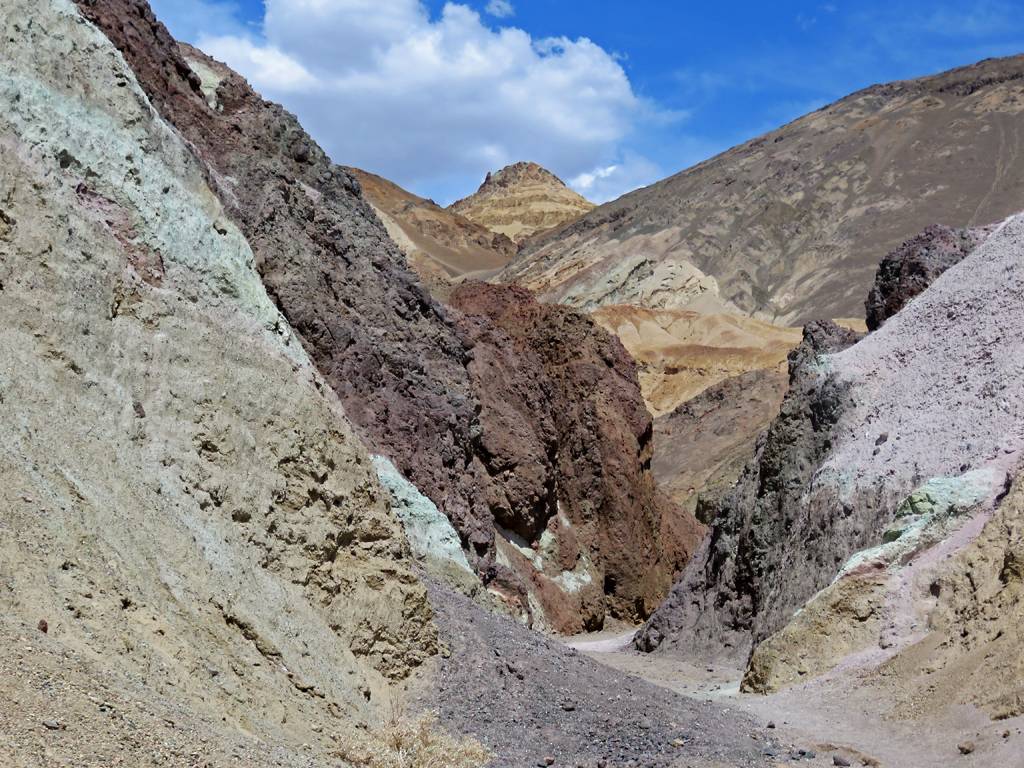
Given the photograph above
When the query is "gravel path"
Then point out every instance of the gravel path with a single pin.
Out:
(532, 700)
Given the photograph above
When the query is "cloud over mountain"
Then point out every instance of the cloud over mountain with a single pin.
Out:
(388, 87)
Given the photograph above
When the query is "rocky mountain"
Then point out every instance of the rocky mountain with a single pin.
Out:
(402, 364)
(886, 485)
(439, 245)
(790, 226)
(522, 200)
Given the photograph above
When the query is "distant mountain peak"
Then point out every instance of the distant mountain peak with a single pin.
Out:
(522, 200)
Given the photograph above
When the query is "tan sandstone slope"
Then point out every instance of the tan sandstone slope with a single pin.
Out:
(440, 245)
(522, 200)
(193, 542)
(681, 353)
(790, 226)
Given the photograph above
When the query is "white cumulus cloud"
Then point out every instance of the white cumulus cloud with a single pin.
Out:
(501, 9)
(436, 102)
(607, 182)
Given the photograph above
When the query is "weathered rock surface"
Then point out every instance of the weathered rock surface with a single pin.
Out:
(522, 200)
(182, 499)
(915, 265)
(975, 651)
(562, 413)
(398, 360)
(439, 245)
(701, 448)
(721, 603)
(886, 461)
(790, 227)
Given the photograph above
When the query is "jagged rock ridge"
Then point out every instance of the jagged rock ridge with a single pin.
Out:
(522, 200)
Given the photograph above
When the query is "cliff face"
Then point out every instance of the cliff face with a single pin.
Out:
(887, 459)
(401, 363)
(522, 200)
(575, 427)
(185, 508)
(915, 265)
(790, 226)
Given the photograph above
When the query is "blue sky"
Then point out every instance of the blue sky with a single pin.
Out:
(609, 95)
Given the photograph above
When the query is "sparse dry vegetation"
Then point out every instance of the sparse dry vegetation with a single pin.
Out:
(405, 742)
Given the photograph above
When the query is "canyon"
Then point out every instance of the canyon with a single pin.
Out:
(300, 468)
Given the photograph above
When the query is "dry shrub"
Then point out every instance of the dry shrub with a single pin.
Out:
(403, 742)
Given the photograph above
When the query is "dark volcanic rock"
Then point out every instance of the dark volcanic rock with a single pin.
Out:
(912, 267)
(747, 579)
(559, 396)
(404, 366)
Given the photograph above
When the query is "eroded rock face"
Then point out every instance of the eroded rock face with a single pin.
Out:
(182, 498)
(975, 654)
(382, 343)
(915, 265)
(561, 399)
(886, 461)
(403, 366)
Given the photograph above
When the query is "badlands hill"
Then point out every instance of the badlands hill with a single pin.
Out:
(522, 200)
(790, 226)
(439, 245)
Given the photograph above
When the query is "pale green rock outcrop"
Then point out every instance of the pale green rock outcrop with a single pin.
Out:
(431, 536)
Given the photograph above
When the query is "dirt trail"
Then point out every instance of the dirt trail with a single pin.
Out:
(829, 717)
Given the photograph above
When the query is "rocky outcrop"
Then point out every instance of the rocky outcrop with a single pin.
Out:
(562, 414)
(439, 245)
(743, 580)
(790, 227)
(974, 654)
(886, 461)
(915, 265)
(187, 515)
(522, 200)
(401, 363)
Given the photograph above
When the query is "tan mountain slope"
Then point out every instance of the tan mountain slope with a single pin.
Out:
(522, 200)
(791, 225)
(701, 447)
(680, 353)
(440, 245)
